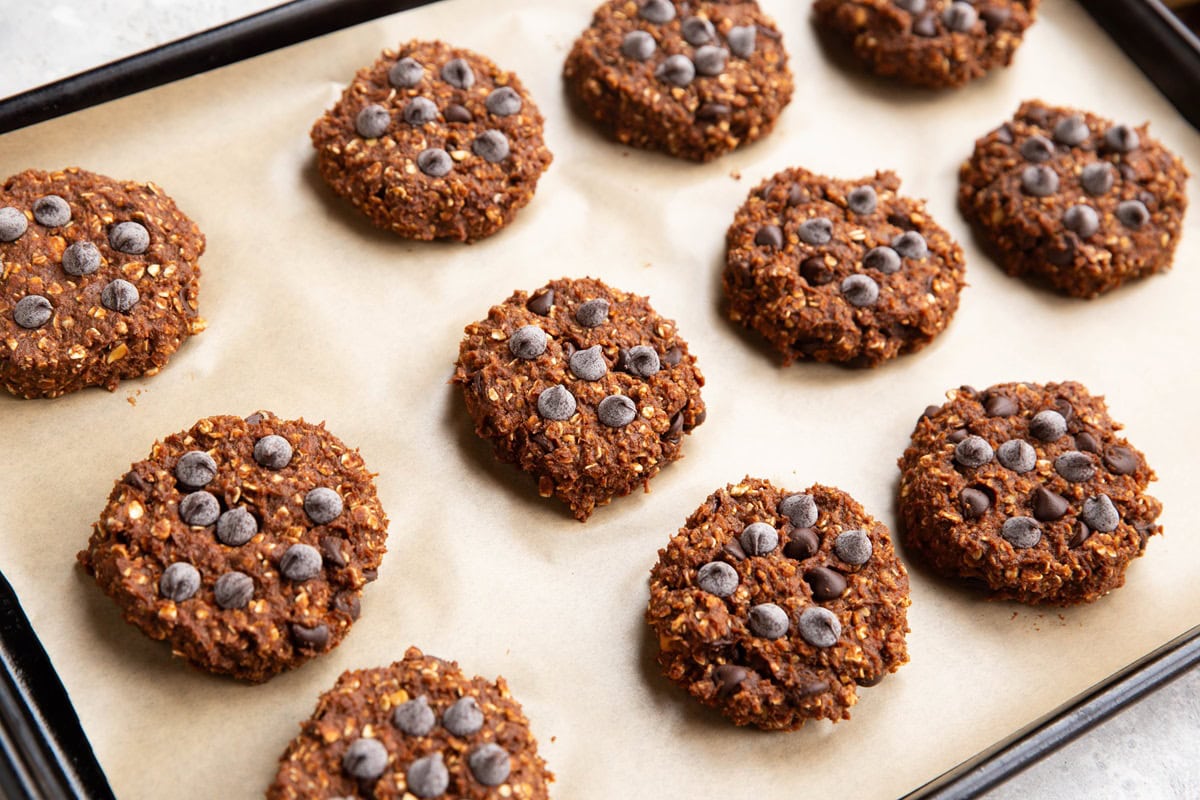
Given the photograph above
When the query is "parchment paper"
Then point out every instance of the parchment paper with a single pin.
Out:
(313, 313)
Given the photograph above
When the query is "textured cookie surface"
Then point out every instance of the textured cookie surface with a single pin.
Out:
(773, 606)
(243, 543)
(418, 728)
(583, 386)
(433, 142)
(692, 79)
(846, 271)
(99, 281)
(932, 43)
(1027, 491)
(1074, 200)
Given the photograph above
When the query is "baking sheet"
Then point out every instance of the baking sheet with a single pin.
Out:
(313, 313)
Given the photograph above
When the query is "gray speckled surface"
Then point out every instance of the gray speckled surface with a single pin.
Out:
(1151, 750)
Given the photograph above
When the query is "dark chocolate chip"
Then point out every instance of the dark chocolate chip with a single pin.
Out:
(717, 578)
(119, 295)
(882, 258)
(300, 562)
(236, 527)
(1037, 149)
(1080, 536)
(1004, 133)
(638, 45)
(800, 509)
(1017, 455)
(419, 111)
(616, 411)
(994, 17)
(734, 548)
(365, 759)
(819, 627)
(503, 102)
(960, 16)
(930, 411)
(1048, 506)
(1085, 441)
(1063, 406)
(1133, 214)
(331, 550)
(826, 584)
(910, 244)
(457, 113)
(427, 777)
(587, 365)
(957, 435)
(697, 31)
(435, 162)
(556, 403)
(129, 237)
(741, 40)
(677, 70)
(592, 313)
(974, 502)
(133, 479)
(372, 121)
(973, 451)
(322, 505)
(1062, 253)
(673, 433)
(406, 73)
(51, 211)
(463, 718)
(233, 590)
(1071, 130)
(527, 342)
(1048, 425)
(32, 311)
(1000, 405)
(81, 258)
(657, 11)
(1100, 514)
(314, 638)
(1039, 180)
(13, 224)
(1021, 532)
(1097, 179)
(860, 291)
(1120, 460)
(673, 356)
(712, 111)
(458, 73)
(802, 543)
(348, 604)
(273, 452)
(541, 303)
(818, 230)
(729, 677)
(814, 270)
(853, 547)
(491, 146)
(925, 25)
(490, 764)
(195, 469)
(797, 194)
(179, 581)
(710, 59)
(862, 200)
(414, 717)
(768, 621)
(769, 236)
(370, 574)
(1121, 138)
(642, 361)
(200, 509)
(1075, 466)
(759, 539)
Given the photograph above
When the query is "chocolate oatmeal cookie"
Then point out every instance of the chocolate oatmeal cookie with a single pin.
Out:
(1028, 492)
(100, 281)
(245, 543)
(418, 728)
(846, 271)
(691, 79)
(1074, 201)
(773, 606)
(583, 386)
(933, 43)
(433, 142)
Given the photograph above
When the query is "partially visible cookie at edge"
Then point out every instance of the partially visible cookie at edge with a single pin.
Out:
(1073, 200)
(848, 271)
(583, 386)
(690, 79)
(244, 543)
(416, 728)
(937, 44)
(100, 281)
(774, 606)
(1026, 491)
(433, 142)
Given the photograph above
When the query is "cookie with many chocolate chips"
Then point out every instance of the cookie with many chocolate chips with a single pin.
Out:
(1073, 200)
(933, 43)
(99, 281)
(691, 79)
(433, 142)
(773, 606)
(418, 728)
(583, 386)
(834, 270)
(1028, 492)
(245, 543)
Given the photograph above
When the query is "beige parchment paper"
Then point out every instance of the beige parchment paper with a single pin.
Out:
(313, 313)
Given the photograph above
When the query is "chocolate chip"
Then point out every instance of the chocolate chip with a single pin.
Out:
(994, 17)
(717, 578)
(1097, 179)
(131, 478)
(814, 270)
(179, 581)
(32, 311)
(1075, 466)
(1120, 460)
(819, 627)
(1100, 514)
(616, 411)
(883, 258)
(974, 503)
(1000, 405)
(81, 258)
(673, 356)
(489, 764)
(427, 776)
(556, 404)
(1062, 253)
(365, 759)
(1081, 219)
(372, 121)
(458, 73)
(712, 111)
(734, 548)
(406, 73)
(759, 539)
(1121, 138)
(491, 146)
(911, 6)
(1037, 149)
(300, 562)
(930, 411)
(676, 428)
(370, 575)
(541, 303)
(1048, 506)
(861, 200)
(853, 547)
(314, 638)
(1039, 181)
(769, 236)
(331, 550)
(826, 584)
(729, 677)
(1017, 455)
(973, 451)
(641, 361)
(593, 313)
(1080, 536)
(802, 543)
(527, 342)
(1133, 214)
(435, 162)
(233, 590)
(13, 224)
(1071, 130)
(1048, 425)
(678, 70)
(415, 717)
(195, 469)
(200, 509)
(119, 295)
(323, 505)
(741, 40)
(797, 194)
(463, 718)
(697, 31)
(588, 365)
(657, 11)
(349, 604)
(860, 290)
(236, 527)
(1021, 532)
(1004, 133)
(503, 102)
(925, 26)
(51, 211)
(710, 59)
(420, 111)
(457, 113)
(1086, 442)
(957, 435)
(273, 452)
(800, 509)
(910, 244)
(818, 230)
(768, 621)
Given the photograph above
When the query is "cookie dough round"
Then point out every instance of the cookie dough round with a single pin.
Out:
(245, 543)
(933, 43)
(1073, 200)
(845, 271)
(418, 728)
(773, 606)
(433, 142)
(1028, 492)
(583, 386)
(691, 79)
(100, 281)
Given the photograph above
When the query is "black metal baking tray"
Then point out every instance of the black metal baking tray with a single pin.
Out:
(44, 754)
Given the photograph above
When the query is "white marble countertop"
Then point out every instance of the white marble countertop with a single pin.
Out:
(1150, 750)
